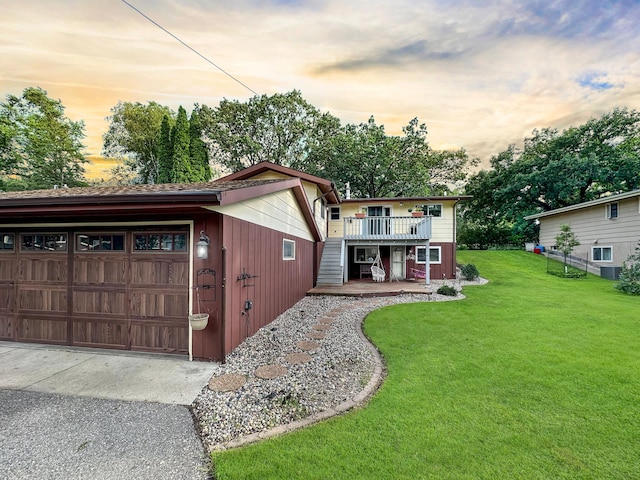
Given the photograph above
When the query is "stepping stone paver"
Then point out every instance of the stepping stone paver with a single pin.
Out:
(321, 327)
(297, 358)
(327, 320)
(268, 372)
(227, 382)
(316, 335)
(307, 345)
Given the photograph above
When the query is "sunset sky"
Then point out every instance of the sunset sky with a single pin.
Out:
(480, 74)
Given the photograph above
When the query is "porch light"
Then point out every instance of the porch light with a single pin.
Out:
(202, 247)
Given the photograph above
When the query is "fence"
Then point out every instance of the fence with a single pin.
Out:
(571, 266)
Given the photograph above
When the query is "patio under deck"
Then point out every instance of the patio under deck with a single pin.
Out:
(369, 288)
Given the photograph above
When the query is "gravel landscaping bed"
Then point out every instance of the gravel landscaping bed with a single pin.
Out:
(310, 359)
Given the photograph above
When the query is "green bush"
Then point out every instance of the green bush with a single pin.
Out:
(469, 272)
(629, 279)
(447, 290)
(630, 274)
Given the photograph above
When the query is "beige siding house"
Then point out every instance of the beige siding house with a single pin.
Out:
(608, 229)
(409, 246)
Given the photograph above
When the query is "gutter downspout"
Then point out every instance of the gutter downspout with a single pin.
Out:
(455, 240)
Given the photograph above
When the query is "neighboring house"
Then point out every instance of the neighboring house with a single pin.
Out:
(116, 267)
(608, 230)
(409, 246)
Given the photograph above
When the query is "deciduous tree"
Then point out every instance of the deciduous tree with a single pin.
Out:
(280, 129)
(134, 137)
(557, 169)
(39, 146)
(378, 165)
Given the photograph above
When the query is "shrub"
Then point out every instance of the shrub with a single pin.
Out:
(629, 281)
(630, 276)
(447, 290)
(469, 272)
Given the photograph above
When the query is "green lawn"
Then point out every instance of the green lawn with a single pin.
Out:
(530, 377)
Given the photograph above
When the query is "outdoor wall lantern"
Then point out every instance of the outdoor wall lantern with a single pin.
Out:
(202, 247)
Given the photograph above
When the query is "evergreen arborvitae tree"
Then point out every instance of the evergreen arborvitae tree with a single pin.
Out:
(165, 152)
(197, 148)
(181, 171)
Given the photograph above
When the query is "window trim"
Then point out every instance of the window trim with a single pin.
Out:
(609, 212)
(431, 247)
(287, 241)
(601, 248)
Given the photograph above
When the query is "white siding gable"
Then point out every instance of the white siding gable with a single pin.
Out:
(278, 211)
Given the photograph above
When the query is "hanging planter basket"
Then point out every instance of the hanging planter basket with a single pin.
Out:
(199, 321)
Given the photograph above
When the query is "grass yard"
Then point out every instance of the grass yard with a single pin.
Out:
(530, 377)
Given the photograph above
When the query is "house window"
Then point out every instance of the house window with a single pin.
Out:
(335, 213)
(86, 242)
(434, 255)
(6, 242)
(612, 210)
(602, 254)
(366, 254)
(167, 242)
(41, 242)
(288, 249)
(433, 210)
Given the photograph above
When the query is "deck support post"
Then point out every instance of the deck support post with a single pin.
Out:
(427, 267)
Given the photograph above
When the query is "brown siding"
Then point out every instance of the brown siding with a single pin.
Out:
(447, 262)
(447, 265)
(275, 284)
(207, 343)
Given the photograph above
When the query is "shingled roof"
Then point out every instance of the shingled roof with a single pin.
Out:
(206, 188)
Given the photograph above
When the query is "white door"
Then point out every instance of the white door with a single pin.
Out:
(398, 262)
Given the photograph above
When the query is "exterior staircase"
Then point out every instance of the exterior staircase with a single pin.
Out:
(330, 272)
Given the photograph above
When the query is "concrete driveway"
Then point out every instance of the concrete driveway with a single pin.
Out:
(102, 373)
(91, 414)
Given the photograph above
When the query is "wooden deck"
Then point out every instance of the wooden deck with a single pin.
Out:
(369, 288)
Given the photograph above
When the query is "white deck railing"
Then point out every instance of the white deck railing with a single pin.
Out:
(387, 228)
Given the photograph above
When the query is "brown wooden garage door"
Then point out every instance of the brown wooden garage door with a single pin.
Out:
(115, 289)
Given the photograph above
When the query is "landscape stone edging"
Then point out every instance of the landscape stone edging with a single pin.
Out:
(358, 400)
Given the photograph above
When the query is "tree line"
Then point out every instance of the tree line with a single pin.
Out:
(286, 130)
(552, 169)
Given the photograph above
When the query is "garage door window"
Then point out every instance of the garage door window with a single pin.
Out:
(168, 242)
(86, 242)
(44, 243)
(6, 242)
